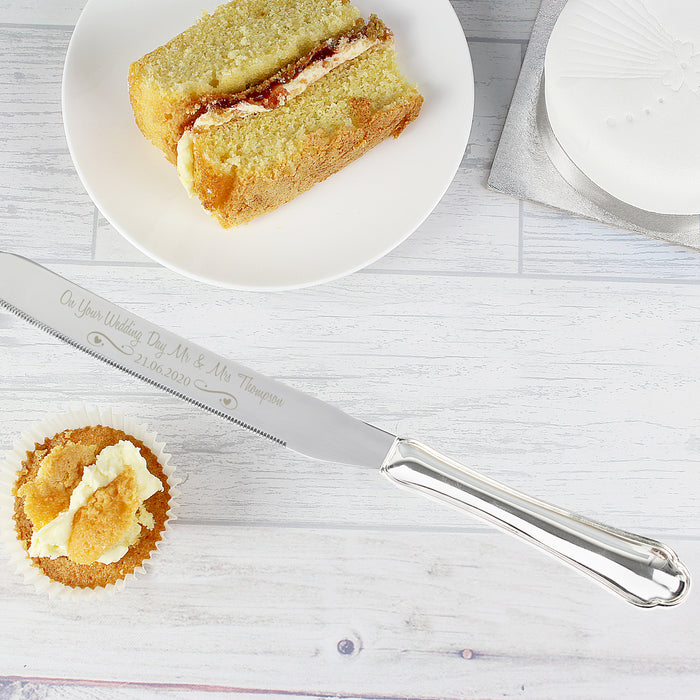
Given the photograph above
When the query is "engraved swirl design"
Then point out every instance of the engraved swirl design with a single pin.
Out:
(228, 401)
(99, 340)
(622, 39)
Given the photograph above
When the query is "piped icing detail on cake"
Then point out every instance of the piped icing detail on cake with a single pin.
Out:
(630, 43)
(275, 92)
(622, 93)
(105, 511)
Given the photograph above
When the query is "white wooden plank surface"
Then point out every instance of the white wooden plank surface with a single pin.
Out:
(554, 354)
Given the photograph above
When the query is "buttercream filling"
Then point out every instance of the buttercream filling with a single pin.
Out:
(272, 94)
(52, 540)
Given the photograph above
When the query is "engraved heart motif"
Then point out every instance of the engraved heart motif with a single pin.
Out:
(95, 338)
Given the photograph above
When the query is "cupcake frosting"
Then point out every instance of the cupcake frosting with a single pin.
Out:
(105, 510)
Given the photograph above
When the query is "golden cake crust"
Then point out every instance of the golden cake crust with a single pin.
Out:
(54, 467)
(236, 200)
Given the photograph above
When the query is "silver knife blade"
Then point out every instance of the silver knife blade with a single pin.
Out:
(122, 339)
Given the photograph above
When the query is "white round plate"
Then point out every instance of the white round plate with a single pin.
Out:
(341, 225)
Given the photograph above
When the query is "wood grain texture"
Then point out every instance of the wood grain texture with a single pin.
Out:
(35, 165)
(287, 598)
(553, 354)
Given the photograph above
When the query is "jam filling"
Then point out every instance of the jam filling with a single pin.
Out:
(272, 93)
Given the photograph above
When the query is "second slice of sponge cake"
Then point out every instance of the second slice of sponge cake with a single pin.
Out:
(254, 164)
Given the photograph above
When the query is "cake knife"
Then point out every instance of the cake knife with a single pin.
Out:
(642, 571)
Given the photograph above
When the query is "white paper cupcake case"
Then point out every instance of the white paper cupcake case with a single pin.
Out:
(78, 417)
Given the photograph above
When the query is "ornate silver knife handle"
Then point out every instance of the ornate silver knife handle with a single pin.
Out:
(644, 572)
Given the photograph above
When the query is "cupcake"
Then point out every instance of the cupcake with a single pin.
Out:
(90, 501)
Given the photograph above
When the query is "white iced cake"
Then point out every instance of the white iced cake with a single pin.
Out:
(622, 94)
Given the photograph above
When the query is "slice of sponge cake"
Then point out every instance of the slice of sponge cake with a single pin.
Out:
(264, 98)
